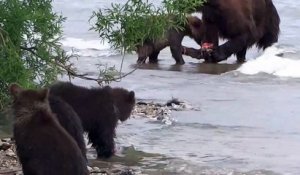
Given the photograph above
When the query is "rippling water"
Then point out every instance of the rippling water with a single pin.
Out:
(249, 117)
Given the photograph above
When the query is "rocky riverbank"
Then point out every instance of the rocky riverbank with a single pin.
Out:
(9, 163)
(162, 112)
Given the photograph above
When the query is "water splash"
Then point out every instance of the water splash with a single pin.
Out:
(272, 62)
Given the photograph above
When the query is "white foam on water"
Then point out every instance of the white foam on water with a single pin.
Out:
(269, 62)
(82, 44)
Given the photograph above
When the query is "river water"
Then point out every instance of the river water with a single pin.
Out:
(248, 122)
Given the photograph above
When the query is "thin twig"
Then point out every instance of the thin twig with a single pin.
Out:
(70, 71)
(30, 49)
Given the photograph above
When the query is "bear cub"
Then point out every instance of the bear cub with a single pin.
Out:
(69, 120)
(43, 145)
(173, 38)
(99, 110)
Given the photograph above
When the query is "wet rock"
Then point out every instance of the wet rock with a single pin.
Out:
(7, 140)
(97, 171)
(122, 172)
(19, 173)
(127, 172)
(10, 153)
(5, 146)
(90, 169)
(1, 143)
(173, 101)
(178, 105)
(141, 103)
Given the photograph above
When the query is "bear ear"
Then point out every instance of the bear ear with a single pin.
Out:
(15, 90)
(131, 96)
(43, 94)
(194, 22)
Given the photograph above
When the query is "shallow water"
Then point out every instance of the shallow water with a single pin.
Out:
(248, 121)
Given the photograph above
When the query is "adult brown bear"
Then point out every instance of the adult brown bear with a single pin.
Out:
(151, 49)
(243, 22)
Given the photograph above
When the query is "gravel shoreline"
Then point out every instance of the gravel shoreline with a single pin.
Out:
(9, 164)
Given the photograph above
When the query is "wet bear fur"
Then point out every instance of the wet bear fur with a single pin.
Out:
(99, 110)
(43, 146)
(124, 102)
(243, 22)
(69, 120)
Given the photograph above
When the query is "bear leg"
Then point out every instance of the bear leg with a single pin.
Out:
(103, 143)
(177, 55)
(241, 55)
(153, 58)
(232, 46)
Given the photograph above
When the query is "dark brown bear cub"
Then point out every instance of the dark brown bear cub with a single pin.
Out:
(43, 145)
(193, 28)
(69, 120)
(124, 102)
(99, 110)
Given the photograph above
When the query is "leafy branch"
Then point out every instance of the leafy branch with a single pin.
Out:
(28, 25)
(128, 25)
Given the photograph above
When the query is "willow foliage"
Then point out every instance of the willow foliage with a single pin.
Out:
(29, 47)
(126, 25)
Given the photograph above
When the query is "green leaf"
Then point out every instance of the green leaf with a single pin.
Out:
(125, 26)
(30, 24)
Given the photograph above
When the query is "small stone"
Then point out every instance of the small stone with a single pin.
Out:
(96, 169)
(141, 103)
(19, 173)
(90, 168)
(10, 153)
(6, 140)
(173, 101)
(5, 146)
(127, 172)
(141, 114)
(160, 118)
